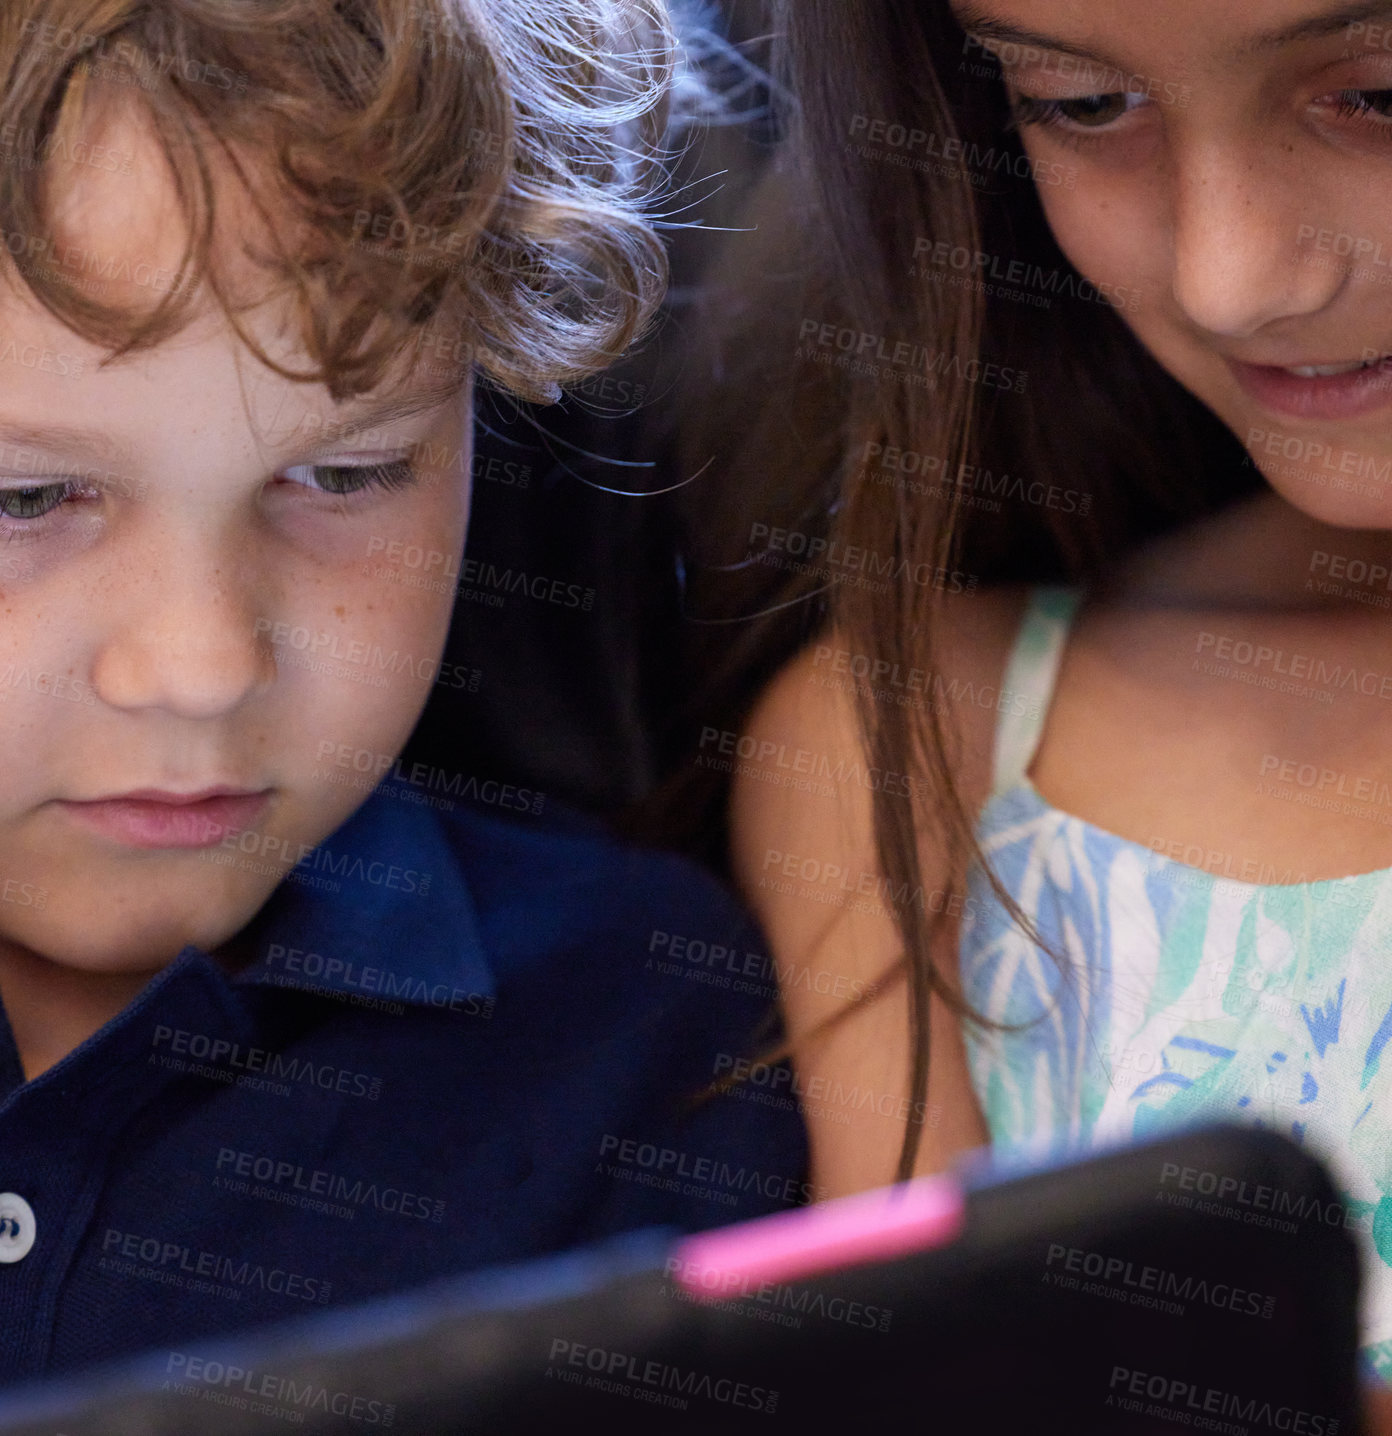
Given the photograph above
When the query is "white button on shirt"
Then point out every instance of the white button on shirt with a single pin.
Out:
(17, 1227)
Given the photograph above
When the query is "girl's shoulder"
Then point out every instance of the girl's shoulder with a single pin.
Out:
(805, 856)
(810, 703)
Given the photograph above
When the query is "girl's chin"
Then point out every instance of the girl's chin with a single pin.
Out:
(1339, 500)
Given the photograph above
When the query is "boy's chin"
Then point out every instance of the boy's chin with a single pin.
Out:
(130, 937)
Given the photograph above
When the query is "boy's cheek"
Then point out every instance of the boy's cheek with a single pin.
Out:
(359, 670)
(357, 685)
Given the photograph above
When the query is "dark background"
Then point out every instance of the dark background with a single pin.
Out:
(598, 708)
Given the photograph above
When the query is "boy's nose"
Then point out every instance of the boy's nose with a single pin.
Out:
(189, 645)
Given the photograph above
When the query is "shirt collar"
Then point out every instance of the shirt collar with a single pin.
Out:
(379, 909)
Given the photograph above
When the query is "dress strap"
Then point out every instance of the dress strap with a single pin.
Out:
(1029, 680)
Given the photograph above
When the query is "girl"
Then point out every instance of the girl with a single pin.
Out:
(1106, 696)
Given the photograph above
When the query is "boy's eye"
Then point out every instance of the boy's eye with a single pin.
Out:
(29, 506)
(34, 502)
(344, 479)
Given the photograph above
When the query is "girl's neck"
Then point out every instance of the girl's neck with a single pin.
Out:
(1259, 553)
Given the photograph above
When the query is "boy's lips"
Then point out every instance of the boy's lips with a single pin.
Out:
(154, 818)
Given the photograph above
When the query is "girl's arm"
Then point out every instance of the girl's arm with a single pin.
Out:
(804, 856)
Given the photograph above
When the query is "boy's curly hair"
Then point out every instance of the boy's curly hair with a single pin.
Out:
(481, 165)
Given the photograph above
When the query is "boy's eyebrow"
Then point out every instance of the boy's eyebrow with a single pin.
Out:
(64, 438)
(418, 402)
(106, 448)
(977, 22)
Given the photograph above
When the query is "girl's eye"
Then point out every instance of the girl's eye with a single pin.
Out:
(1374, 106)
(342, 480)
(1085, 112)
(36, 502)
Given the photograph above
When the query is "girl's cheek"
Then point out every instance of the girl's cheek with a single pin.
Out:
(1117, 241)
(1092, 230)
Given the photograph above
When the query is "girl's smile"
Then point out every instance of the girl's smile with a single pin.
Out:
(1233, 161)
(1309, 389)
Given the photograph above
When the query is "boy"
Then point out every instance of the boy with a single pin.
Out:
(274, 1037)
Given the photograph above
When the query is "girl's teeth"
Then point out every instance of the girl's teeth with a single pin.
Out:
(1326, 371)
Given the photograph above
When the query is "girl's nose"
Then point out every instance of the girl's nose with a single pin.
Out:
(1239, 262)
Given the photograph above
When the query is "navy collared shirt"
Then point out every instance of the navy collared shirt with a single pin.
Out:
(455, 1039)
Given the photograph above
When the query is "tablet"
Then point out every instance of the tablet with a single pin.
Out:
(1193, 1283)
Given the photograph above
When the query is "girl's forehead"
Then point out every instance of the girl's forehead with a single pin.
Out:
(1233, 33)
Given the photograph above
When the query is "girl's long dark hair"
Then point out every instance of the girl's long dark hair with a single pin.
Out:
(865, 206)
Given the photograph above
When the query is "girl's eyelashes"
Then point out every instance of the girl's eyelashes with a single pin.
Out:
(1373, 107)
(1086, 117)
(1072, 117)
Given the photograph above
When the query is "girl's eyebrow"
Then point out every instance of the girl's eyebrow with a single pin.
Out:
(981, 26)
(978, 23)
(1319, 27)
